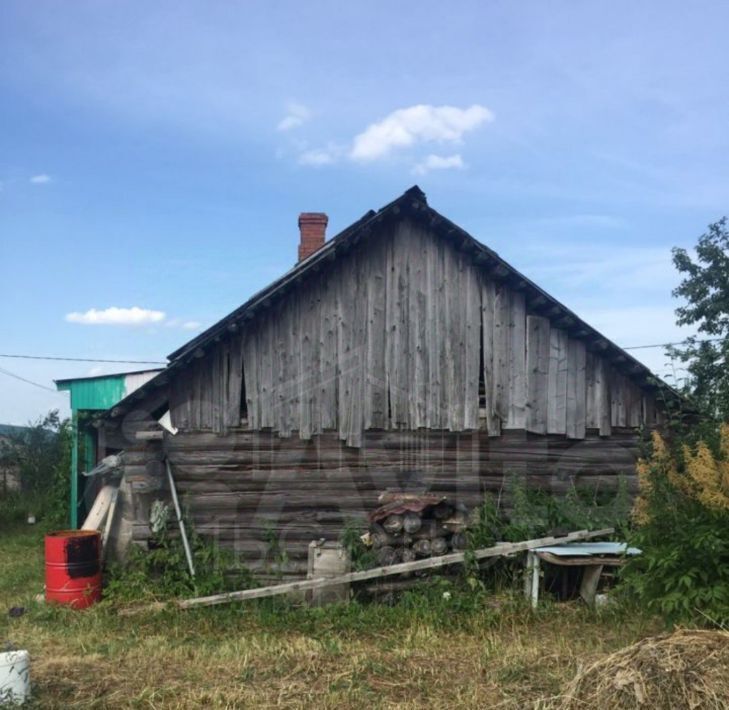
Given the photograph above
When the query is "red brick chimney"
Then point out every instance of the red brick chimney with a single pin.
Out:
(313, 226)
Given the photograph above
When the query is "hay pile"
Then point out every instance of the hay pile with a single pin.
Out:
(685, 669)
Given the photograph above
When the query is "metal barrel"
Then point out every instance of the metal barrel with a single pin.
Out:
(73, 567)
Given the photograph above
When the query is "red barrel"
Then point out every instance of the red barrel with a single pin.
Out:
(73, 567)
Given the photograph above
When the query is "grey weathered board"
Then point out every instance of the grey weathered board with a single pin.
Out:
(395, 335)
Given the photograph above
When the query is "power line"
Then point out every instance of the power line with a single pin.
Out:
(84, 359)
(666, 345)
(160, 362)
(30, 382)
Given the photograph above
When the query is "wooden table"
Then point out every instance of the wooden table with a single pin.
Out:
(593, 557)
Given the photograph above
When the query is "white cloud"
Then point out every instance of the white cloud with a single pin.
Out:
(296, 115)
(439, 162)
(423, 123)
(319, 156)
(117, 316)
(41, 179)
(191, 325)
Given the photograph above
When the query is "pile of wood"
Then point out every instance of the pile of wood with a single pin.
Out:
(408, 526)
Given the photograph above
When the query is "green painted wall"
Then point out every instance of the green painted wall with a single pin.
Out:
(100, 393)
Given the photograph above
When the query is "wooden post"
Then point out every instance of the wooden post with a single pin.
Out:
(73, 517)
(178, 512)
(534, 596)
(109, 521)
(590, 579)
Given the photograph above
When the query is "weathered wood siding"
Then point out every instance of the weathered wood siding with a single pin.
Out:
(247, 486)
(393, 336)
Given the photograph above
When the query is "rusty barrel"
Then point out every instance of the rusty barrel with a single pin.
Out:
(73, 567)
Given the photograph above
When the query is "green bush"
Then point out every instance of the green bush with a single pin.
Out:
(42, 456)
(162, 572)
(534, 513)
(682, 518)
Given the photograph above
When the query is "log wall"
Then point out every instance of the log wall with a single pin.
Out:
(248, 488)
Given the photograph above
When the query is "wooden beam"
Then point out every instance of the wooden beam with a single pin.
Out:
(150, 435)
(499, 550)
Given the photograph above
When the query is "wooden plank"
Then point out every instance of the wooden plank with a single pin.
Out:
(328, 367)
(100, 508)
(538, 354)
(602, 396)
(488, 298)
(109, 520)
(250, 374)
(617, 399)
(576, 390)
(517, 363)
(235, 382)
(591, 414)
(418, 328)
(473, 344)
(434, 336)
(501, 331)
(557, 382)
(375, 398)
(358, 361)
(499, 550)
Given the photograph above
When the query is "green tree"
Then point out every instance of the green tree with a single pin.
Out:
(705, 289)
(41, 454)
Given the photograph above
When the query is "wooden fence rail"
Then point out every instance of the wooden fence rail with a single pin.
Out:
(499, 550)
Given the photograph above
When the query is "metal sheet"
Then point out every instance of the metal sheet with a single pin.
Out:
(588, 549)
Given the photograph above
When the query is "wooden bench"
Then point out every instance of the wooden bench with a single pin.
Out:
(593, 557)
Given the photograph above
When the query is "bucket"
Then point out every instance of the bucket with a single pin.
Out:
(14, 677)
(73, 567)
(328, 559)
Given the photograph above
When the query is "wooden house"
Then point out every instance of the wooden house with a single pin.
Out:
(401, 354)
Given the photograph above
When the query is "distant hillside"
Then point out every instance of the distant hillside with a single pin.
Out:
(12, 430)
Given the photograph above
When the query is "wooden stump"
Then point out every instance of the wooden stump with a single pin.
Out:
(412, 522)
(393, 524)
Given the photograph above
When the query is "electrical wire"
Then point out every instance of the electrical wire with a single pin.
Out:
(84, 359)
(666, 345)
(30, 382)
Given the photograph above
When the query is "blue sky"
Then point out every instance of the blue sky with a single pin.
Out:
(156, 155)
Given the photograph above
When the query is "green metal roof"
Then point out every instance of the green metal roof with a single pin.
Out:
(102, 391)
(94, 393)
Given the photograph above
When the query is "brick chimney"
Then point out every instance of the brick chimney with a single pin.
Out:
(312, 226)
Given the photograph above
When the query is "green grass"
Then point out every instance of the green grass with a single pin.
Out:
(473, 650)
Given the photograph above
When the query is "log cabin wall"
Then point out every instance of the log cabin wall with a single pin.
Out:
(404, 332)
(242, 488)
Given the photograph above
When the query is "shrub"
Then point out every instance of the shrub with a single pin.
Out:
(42, 456)
(682, 518)
(535, 513)
(162, 572)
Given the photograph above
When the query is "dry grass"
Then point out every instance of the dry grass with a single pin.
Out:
(686, 669)
(275, 656)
